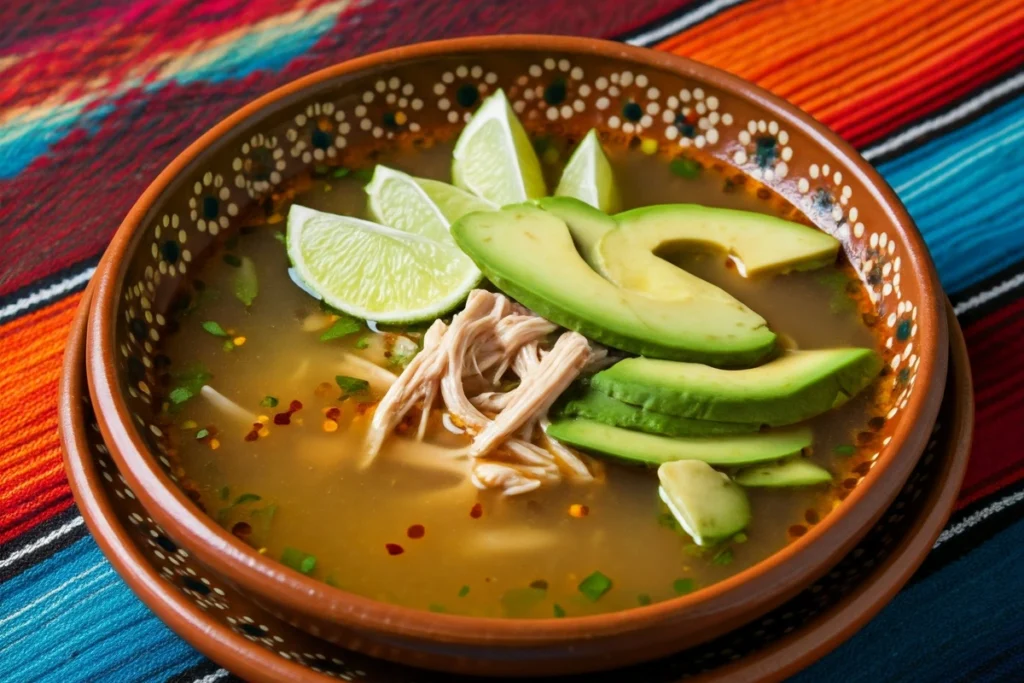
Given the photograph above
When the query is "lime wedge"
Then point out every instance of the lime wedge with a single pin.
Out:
(588, 176)
(375, 272)
(420, 206)
(493, 157)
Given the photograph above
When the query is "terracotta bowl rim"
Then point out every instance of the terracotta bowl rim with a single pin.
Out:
(231, 558)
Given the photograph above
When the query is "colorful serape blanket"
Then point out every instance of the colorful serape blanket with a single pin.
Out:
(96, 96)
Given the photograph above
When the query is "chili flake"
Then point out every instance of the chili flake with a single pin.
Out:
(578, 511)
(330, 425)
(241, 529)
(254, 433)
(394, 549)
(333, 413)
(238, 341)
(286, 417)
(214, 444)
(416, 531)
(477, 511)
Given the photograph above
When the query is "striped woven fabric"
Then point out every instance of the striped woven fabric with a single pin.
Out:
(96, 96)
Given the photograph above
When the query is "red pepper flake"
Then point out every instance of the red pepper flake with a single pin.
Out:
(333, 413)
(416, 531)
(254, 433)
(394, 549)
(286, 418)
(241, 529)
(477, 511)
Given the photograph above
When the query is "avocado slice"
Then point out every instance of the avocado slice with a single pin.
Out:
(783, 474)
(640, 448)
(586, 224)
(791, 388)
(529, 254)
(707, 504)
(600, 407)
(758, 243)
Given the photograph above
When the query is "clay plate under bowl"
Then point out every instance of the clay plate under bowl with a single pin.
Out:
(252, 643)
(563, 86)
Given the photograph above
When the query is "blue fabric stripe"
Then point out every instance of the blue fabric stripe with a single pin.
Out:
(951, 624)
(965, 200)
(74, 607)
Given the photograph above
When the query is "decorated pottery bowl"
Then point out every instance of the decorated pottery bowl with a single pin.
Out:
(410, 98)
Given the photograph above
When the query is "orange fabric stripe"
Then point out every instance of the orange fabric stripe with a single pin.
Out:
(32, 483)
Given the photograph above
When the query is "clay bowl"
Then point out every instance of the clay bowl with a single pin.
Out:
(558, 85)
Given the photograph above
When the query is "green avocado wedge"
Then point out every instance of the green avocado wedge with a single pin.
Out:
(794, 387)
(600, 407)
(707, 504)
(529, 254)
(758, 244)
(787, 473)
(640, 448)
(586, 224)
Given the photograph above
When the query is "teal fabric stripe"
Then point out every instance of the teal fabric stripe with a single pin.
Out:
(74, 606)
(979, 629)
(963, 190)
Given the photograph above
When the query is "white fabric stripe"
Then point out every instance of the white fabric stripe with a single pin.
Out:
(103, 564)
(986, 296)
(679, 23)
(979, 516)
(963, 110)
(47, 293)
(215, 676)
(40, 542)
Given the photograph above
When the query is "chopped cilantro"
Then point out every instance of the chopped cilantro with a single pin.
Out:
(363, 174)
(668, 520)
(224, 491)
(723, 556)
(340, 172)
(559, 612)
(595, 585)
(228, 345)
(180, 395)
(363, 342)
(739, 538)
(247, 286)
(683, 586)
(269, 402)
(298, 560)
(464, 591)
(246, 498)
(643, 599)
(214, 328)
(279, 236)
(844, 450)
(342, 327)
(232, 260)
(685, 168)
(202, 434)
(351, 385)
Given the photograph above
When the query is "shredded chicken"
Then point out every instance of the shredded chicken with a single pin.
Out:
(465, 364)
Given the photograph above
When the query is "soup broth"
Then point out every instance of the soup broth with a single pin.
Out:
(272, 447)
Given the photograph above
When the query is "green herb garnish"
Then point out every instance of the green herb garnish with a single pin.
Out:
(643, 599)
(845, 450)
(247, 286)
(214, 328)
(228, 345)
(723, 556)
(232, 260)
(464, 591)
(363, 174)
(595, 585)
(683, 586)
(342, 327)
(179, 395)
(269, 402)
(351, 385)
(739, 538)
(202, 434)
(246, 498)
(298, 560)
(363, 342)
(559, 612)
(279, 236)
(340, 172)
(685, 168)
(669, 521)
